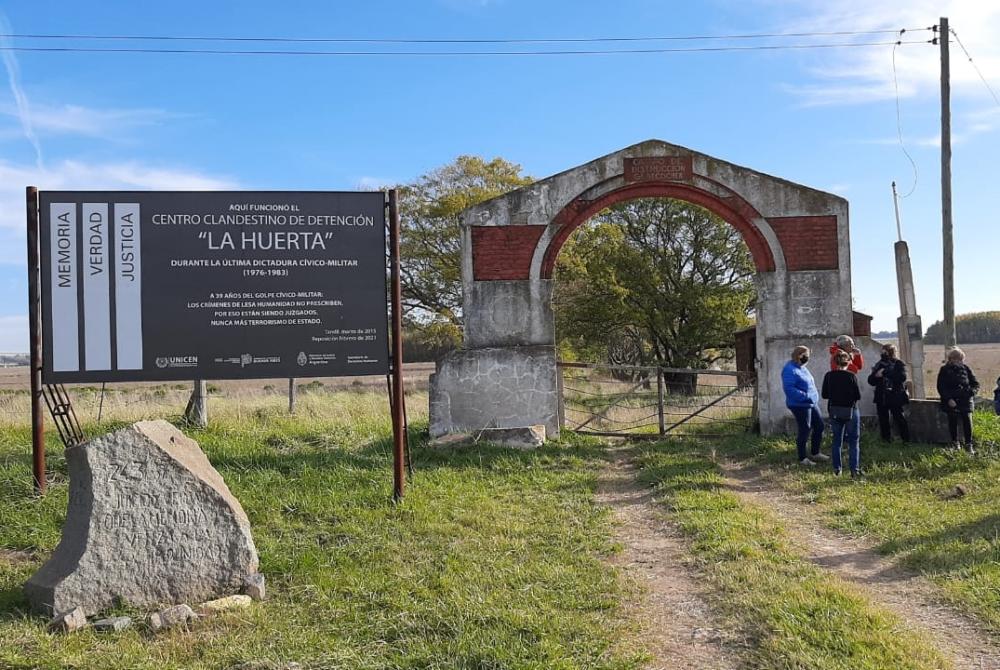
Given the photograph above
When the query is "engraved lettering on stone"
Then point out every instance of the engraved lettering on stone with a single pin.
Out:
(150, 522)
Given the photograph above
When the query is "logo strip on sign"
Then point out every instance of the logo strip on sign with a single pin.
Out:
(96, 287)
(128, 287)
(63, 247)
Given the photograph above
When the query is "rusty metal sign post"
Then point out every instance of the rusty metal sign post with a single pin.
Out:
(397, 400)
(35, 334)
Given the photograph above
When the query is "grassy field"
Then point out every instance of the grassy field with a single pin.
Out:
(499, 558)
(496, 559)
(792, 614)
(984, 359)
(908, 507)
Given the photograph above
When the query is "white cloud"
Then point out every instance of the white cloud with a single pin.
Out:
(82, 176)
(373, 183)
(87, 121)
(970, 125)
(859, 75)
(13, 334)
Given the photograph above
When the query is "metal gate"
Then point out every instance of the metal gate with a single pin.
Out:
(648, 402)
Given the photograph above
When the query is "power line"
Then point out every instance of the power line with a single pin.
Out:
(976, 67)
(378, 40)
(566, 52)
(899, 125)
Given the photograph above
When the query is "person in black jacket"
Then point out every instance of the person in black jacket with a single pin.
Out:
(957, 387)
(840, 388)
(889, 379)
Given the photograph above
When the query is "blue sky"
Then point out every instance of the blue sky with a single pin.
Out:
(824, 118)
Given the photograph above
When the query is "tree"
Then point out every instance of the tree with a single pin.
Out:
(972, 328)
(430, 239)
(666, 273)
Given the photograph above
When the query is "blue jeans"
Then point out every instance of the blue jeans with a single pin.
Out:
(849, 430)
(810, 421)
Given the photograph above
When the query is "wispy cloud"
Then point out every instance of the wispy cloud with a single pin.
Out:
(853, 76)
(373, 183)
(20, 99)
(70, 119)
(969, 125)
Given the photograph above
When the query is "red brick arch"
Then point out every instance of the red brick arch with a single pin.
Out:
(733, 209)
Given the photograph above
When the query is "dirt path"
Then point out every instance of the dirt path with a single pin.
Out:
(679, 629)
(911, 597)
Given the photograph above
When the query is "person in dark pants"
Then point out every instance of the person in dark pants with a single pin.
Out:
(840, 388)
(802, 399)
(996, 397)
(957, 387)
(889, 379)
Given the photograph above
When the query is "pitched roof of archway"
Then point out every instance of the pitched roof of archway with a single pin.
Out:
(540, 201)
(746, 198)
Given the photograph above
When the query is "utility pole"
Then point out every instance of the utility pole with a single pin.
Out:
(908, 325)
(950, 336)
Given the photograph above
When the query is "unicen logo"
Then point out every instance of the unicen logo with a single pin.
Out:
(302, 359)
(245, 360)
(176, 361)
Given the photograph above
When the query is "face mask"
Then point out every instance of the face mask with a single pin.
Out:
(804, 360)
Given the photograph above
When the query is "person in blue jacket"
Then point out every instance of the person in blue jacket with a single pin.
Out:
(802, 398)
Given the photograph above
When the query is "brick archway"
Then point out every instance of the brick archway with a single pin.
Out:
(505, 374)
(739, 214)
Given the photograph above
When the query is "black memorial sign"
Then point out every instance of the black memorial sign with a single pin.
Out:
(212, 285)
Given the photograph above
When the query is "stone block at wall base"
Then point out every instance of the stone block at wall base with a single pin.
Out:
(927, 422)
(498, 387)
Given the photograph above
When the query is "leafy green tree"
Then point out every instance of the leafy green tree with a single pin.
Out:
(667, 280)
(430, 239)
(429, 339)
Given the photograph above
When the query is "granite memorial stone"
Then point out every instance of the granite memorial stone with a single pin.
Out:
(150, 522)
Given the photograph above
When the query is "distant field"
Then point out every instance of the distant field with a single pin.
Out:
(984, 359)
(16, 378)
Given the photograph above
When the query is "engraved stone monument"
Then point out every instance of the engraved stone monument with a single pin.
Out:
(150, 522)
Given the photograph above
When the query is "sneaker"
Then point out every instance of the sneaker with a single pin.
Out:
(806, 461)
(837, 473)
(820, 457)
(857, 474)
(971, 448)
(954, 446)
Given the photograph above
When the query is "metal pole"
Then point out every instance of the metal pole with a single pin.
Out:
(659, 400)
(291, 395)
(35, 344)
(948, 244)
(398, 473)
